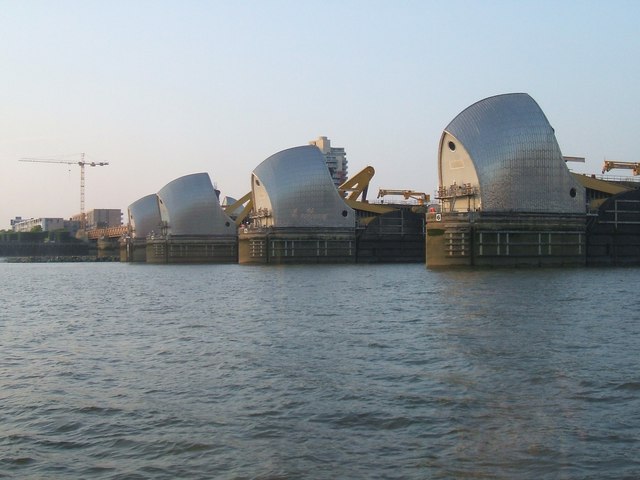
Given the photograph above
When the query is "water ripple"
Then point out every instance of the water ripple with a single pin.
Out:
(383, 372)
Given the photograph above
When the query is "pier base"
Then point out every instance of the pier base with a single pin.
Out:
(133, 250)
(496, 240)
(292, 246)
(192, 249)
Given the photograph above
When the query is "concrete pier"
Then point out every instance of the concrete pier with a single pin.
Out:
(133, 250)
(289, 246)
(474, 239)
(192, 249)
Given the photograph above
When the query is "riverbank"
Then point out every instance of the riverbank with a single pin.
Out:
(59, 259)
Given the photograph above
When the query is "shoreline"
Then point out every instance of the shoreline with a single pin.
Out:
(59, 259)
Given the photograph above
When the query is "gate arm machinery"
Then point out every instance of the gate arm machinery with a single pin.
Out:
(421, 197)
(357, 185)
(247, 201)
(611, 164)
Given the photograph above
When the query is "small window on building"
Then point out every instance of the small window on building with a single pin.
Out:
(452, 146)
(572, 192)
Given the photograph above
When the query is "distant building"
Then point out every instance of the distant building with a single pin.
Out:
(335, 158)
(46, 224)
(101, 218)
(16, 220)
(104, 218)
(72, 226)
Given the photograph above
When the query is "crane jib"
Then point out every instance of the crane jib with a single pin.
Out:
(82, 164)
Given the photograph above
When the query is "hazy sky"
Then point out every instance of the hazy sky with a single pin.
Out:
(161, 89)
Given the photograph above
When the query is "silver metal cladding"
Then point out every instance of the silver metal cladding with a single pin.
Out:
(517, 160)
(293, 189)
(189, 206)
(144, 216)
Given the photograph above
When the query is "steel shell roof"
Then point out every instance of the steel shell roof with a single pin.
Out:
(144, 216)
(516, 157)
(294, 188)
(189, 205)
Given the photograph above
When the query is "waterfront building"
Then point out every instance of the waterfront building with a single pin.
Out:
(99, 218)
(15, 221)
(46, 224)
(104, 218)
(298, 216)
(335, 158)
(193, 226)
(506, 194)
(144, 217)
(189, 206)
(144, 220)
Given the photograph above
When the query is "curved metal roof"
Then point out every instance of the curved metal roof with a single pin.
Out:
(514, 155)
(144, 216)
(190, 206)
(293, 188)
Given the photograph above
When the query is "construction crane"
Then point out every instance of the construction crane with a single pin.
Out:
(610, 165)
(82, 163)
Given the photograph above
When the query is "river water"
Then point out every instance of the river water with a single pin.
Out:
(319, 372)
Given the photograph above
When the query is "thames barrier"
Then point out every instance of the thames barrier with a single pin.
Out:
(505, 197)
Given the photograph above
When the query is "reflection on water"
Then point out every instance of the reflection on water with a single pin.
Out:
(385, 371)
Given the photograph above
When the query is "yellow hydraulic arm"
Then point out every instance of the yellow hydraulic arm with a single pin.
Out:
(610, 165)
(357, 185)
(247, 201)
(421, 197)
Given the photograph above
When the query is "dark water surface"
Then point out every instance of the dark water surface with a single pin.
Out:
(321, 372)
